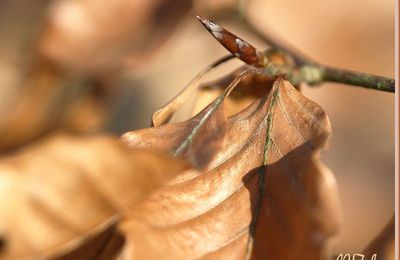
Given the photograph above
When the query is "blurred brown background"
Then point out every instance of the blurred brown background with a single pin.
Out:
(356, 34)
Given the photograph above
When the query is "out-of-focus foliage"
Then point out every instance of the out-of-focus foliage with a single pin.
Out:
(57, 194)
(89, 67)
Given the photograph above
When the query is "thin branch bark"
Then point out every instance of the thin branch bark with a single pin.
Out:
(314, 74)
(307, 70)
(358, 79)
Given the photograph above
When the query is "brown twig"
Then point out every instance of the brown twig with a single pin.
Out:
(307, 70)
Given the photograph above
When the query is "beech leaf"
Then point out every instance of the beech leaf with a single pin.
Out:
(69, 191)
(248, 90)
(165, 113)
(196, 139)
(264, 193)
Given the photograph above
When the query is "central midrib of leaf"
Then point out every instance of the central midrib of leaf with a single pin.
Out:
(261, 180)
(189, 139)
(268, 140)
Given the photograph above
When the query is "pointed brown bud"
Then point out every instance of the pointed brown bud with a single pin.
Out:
(238, 47)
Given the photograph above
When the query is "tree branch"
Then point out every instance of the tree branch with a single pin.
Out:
(307, 70)
(358, 79)
(315, 74)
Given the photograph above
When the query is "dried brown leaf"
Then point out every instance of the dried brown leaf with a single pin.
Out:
(248, 91)
(165, 113)
(196, 139)
(263, 194)
(63, 196)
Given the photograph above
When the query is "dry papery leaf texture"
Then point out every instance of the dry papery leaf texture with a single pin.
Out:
(260, 190)
(61, 197)
(248, 91)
